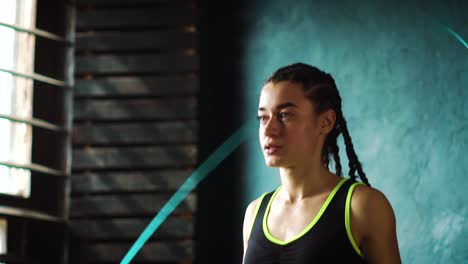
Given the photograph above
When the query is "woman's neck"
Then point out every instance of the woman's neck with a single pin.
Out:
(299, 183)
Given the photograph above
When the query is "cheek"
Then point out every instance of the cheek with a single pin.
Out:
(261, 136)
(302, 138)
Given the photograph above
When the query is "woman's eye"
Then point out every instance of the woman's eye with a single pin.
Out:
(284, 115)
(261, 118)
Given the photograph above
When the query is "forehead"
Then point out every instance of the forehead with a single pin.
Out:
(274, 94)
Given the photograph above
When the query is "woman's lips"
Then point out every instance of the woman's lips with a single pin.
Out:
(271, 149)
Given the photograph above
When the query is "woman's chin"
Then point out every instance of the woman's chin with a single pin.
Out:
(272, 162)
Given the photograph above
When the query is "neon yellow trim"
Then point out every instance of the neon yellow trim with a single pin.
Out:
(257, 207)
(347, 218)
(314, 221)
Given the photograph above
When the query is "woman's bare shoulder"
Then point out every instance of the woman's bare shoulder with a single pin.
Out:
(249, 219)
(368, 200)
(374, 220)
(251, 208)
(250, 212)
(252, 205)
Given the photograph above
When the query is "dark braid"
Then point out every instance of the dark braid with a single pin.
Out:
(321, 89)
(332, 148)
(335, 150)
(354, 163)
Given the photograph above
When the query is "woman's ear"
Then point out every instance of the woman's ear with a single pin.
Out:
(327, 121)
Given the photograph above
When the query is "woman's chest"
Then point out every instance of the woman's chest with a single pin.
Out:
(287, 221)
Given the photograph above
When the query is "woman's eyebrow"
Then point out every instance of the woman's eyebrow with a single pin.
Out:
(280, 106)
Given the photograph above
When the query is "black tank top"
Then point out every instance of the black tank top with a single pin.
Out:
(327, 239)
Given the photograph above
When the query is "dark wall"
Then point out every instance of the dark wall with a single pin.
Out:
(220, 213)
(134, 128)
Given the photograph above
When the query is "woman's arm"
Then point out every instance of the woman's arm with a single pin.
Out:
(248, 222)
(373, 220)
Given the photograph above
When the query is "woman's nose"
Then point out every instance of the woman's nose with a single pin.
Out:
(271, 128)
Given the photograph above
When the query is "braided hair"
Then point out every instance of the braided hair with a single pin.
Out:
(321, 89)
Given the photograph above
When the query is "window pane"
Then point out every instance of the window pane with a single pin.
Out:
(3, 236)
(17, 53)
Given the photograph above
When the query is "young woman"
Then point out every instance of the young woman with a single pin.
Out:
(314, 216)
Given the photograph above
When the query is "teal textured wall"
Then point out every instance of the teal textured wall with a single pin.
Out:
(403, 79)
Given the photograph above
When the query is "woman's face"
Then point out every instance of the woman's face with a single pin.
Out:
(289, 128)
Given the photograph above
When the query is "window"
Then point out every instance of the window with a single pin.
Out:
(3, 235)
(17, 55)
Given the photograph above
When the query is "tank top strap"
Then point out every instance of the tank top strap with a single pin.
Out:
(260, 212)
